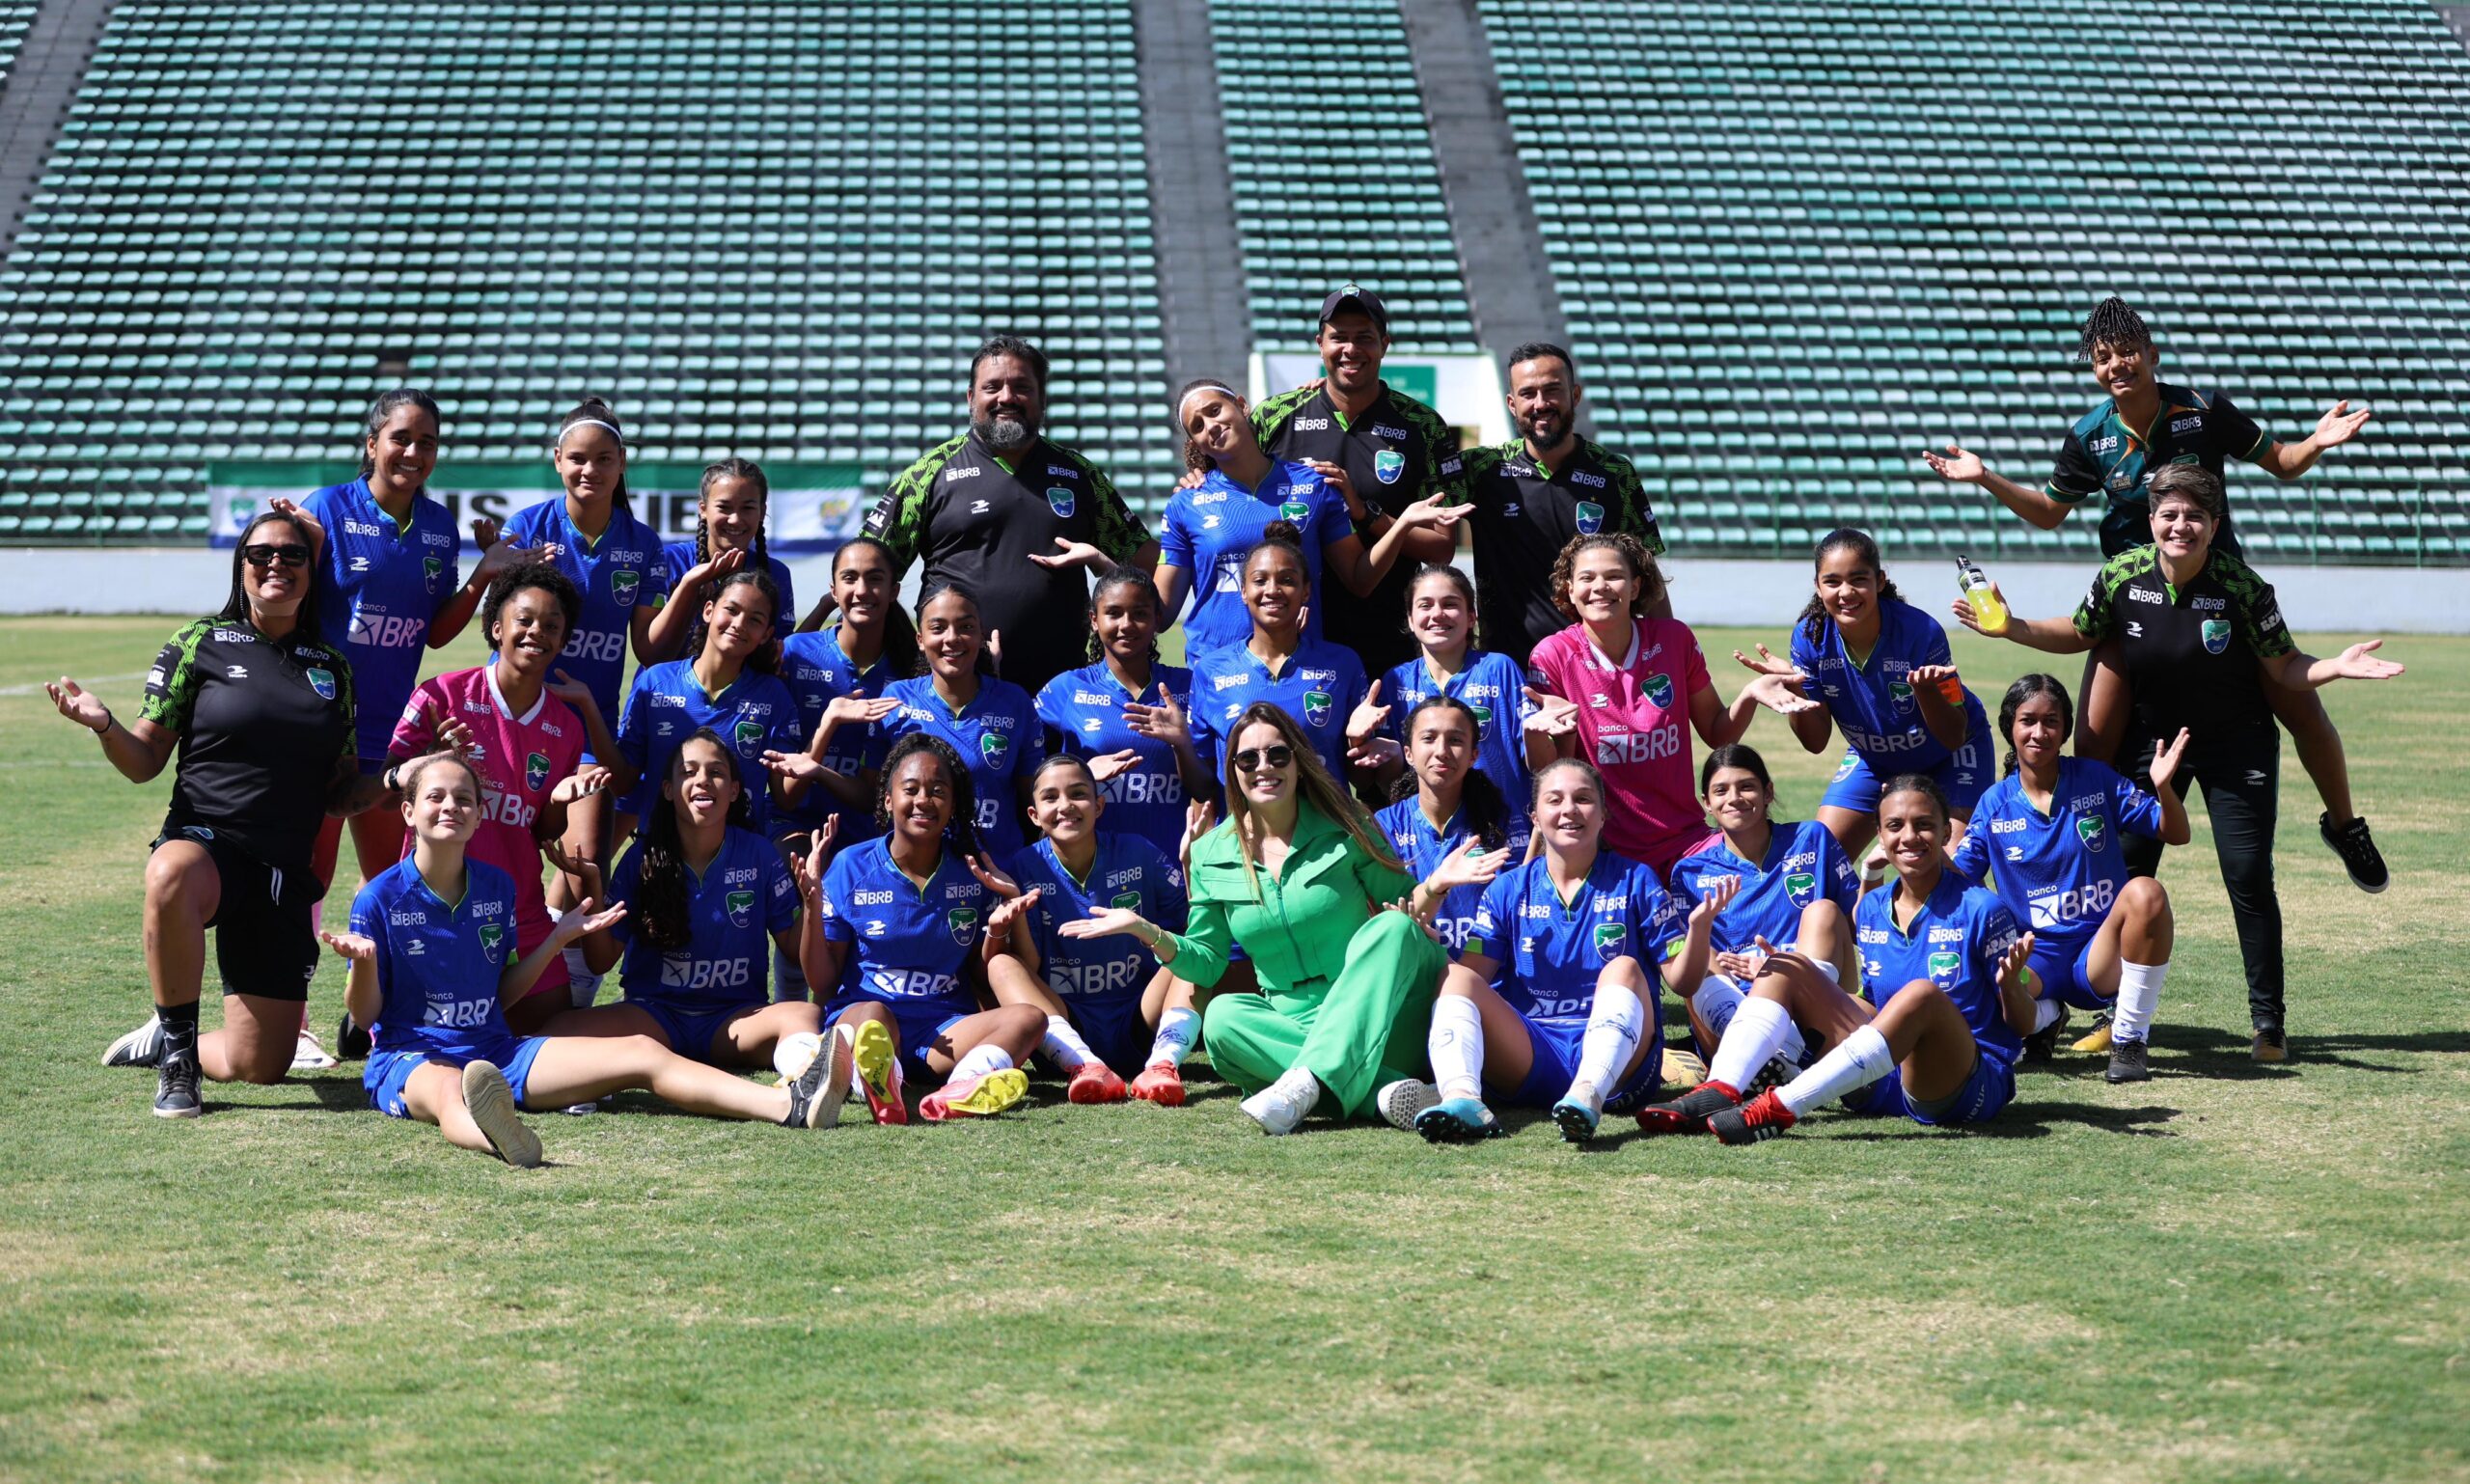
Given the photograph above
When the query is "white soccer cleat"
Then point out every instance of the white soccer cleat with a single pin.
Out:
(1401, 1101)
(1281, 1107)
(307, 1055)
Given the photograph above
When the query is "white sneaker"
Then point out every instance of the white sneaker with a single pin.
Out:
(1400, 1102)
(794, 1054)
(141, 1047)
(1281, 1107)
(307, 1055)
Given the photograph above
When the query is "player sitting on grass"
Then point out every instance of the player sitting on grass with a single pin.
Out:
(1949, 1002)
(434, 962)
(1446, 807)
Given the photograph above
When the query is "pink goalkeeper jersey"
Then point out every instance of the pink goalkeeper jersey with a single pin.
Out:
(1633, 725)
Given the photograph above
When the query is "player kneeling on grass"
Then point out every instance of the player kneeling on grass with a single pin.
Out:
(1551, 1000)
(2046, 837)
(1949, 1002)
(434, 963)
(1111, 1011)
(901, 915)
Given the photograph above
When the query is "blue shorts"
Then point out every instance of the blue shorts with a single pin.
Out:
(1990, 1087)
(1556, 1045)
(692, 1033)
(1963, 776)
(1112, 1025)
(2065, 974)
(916, 1019)
(387, 1071)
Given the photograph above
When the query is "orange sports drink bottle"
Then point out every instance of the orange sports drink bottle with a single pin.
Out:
(1986, 609)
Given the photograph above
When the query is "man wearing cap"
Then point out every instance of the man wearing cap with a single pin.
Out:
(1014, 518)
(1535, 494)
(1391, 452)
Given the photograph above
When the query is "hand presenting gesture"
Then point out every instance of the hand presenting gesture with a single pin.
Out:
(1957, 464)
(982, 866)
(1467, 865)
(1074, 553)
(1368, 714)
(357, 948)
(807, 864)
(1767, 664)
(79, 705)
(1166, 721)
(2357, 662)
(2012, 973)
(2166, 763)
(582, 922)
(2338, 424)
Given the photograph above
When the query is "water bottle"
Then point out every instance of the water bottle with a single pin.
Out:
(1987, 610)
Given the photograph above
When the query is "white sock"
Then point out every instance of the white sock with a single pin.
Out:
(1176, 1028)
(1861, 1059)
(2139, 990)
(1457, 1047)
(2045, 1014)
(1066, 1046)
(1612, 1036)
(1715, 1001)
(979, 1060)
(1824, 964)
(1758, 1032)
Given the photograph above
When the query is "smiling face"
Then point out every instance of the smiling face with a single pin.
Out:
(732, 512)
(2182, 527)
(2039, 732)
(1264, 780)
(530, 631)
(1216, 424)
(1568, 809)
(918, 795)
(2124, 370)
(948, 635)
(1064, 805)
(1438, 615)
(591, 464)
(1737, 799)
(1601, 586)
(1543, 401)
(274, 567)
(862, 585)
(1126, 621)
(443, 804)
(1005, 402)
(1912, 827)
(1441, 747)
(403, 449)
(703, 781)
(1351, 347)
(1276, 589)
(737, 620)
(1848, 586)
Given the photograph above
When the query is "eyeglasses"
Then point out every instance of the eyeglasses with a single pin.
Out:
(1252, 757)
(289, 554)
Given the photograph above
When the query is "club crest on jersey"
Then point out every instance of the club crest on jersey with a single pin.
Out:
(2216, 635)
(1292, 511)
(535, 770)
(1483, 718)
(962, 922)
(748, 734)
(622, 586)
(1608, 939)
(740, 906)
(993, 747)
(322, 681)
(1590, 517)
(2090, 831)
(1943, 965)
(1844, 769)
(1129, 901)
(1901, 692)
(1316, 708)
(1061, 500)
(1801, 887)
(492, 939)
(1659, 689)
(1387, 465)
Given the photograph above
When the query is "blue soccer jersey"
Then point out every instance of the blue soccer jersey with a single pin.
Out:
(906, 943)
(1804, 863)
(1422, 848)
(619, 573)
(818, 671)
(1872, 701)
(733, 909)
(752, 713)
(1551, 952)
(2059, 873)
(1956, 941)
(379, 585)
(1320, 687)
(1082, 712)
(1209, 527)
(1494, 686)
(1128, 872)
(997, 736)
(677, 558)
(439, 963)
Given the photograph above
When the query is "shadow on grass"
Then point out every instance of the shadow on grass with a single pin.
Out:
(2025, 1119)
(330, 1094)
(2224, 1056)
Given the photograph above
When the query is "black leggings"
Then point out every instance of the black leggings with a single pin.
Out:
(2240, 774)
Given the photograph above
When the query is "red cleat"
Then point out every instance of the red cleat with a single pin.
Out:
(1761, 1118)
(1689, 1113)
(1095, 1083)
(1162, 1084)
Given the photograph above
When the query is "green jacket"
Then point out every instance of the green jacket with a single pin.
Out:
(1296, 927)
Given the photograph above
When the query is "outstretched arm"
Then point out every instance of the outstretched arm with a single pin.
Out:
(1962, 467)
(2289, 460)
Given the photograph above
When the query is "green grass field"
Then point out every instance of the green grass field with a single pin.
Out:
(2228, 1273)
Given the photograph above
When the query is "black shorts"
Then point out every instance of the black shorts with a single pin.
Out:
(265, 941)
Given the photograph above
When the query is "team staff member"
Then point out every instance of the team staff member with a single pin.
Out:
(1538, 493)
(1393, 451)
(2200, 637)
(732, 503)
(1010, 517)
(260, 709)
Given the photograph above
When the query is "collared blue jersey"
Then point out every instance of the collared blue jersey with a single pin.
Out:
(1420, 849)
(2059, 873)
(1551, 952)
(1871, 702)
(1082, 712)
(754, 712)
(677, 558)
(1209, 527)
(733, 909)
(997, 734)
(621, 572)
(1804, 862)
(1320, 688)
(1956, 941)
(1128, 872)
(439, 963)
(910, 944)
(1494, 687)
(378, 588)
(818, 671)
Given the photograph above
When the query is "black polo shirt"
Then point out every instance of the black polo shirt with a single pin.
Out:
(2103, 455)
(265, 728)
(1524, 513)
(2190, 653)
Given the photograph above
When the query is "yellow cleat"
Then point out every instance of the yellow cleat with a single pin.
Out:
(2097, 1041)
(1682, 1069)
(878, 1064)
(977, 1098)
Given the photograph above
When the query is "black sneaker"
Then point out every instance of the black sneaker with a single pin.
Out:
(1689, 1113)
(2126, 1063)
(141, 1047)
(2357, 850)
(175, 1086)
(2042, 1046)
(2269, 1046)
(1753, 1122)
(351, 1043)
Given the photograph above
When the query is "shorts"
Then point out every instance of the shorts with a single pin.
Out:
(1963, 776)
(1990, 1087)
(265, 941)
(387, 1071)
(1114, 1028)
(916, 1019)
(2065, 974)
(691, 1034)
(1556, 1045)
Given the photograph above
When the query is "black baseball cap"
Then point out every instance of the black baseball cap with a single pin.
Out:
(1348, 296)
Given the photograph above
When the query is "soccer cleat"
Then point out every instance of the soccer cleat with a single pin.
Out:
(1162, 1084)
(821, 1085)
(1778, 1070)
(351, 1042)
(141, 1047)
(877, 1067)
(1281, 1107)
(1459, 1120)
(491, 1104)
(175, 1086)
(307, 1055)
(1755, 1121)
(2269, 1046)
(1681, 1068)
(1689, 1113)
(980, 1097)
(2126, 1063)
(1577, 1115)
(1095, 1083)
(2357, 850)
(1403, 1102)
(794, 1053)
(2043, 1045)
(2098, 1039)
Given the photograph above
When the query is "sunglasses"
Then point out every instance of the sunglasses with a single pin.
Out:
(289, 554)
(1252, 757)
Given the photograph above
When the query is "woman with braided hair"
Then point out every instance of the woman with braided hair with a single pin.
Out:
(731, 504)
(727, 686)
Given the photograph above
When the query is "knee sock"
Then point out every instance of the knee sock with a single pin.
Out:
(180, 1027)
(1824, 964)
(1457, 1047)
(2045, 1014)
(979, 1061)
(2139, 990)
(1177, 1028)
(1066, 1046)
(1612, 1036)
(1758, 1032)
(1861, 1059)
(1715, 1001)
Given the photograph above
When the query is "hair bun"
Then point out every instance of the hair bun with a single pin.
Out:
(1285, 530)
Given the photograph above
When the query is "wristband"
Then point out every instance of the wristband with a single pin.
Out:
(109, 721)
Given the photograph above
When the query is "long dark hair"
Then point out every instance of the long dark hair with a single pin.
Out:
(962, 831)
(1465, 594)
(1479, 799)
(766, 658)
(757, 555)
(1737, 754)
(985, 665)
(661, 908)
(1138, 581)
(1813, 621)
(2025, 689)
(900, 631)
(380, 410)
(235, 607)
(591, 409)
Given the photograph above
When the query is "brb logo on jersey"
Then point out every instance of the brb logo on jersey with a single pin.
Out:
(1801, 887)
(623, 585)
(322, 681)
(740, 906)
(2091, 833)
(1608, 940)
(1061, 501)
(1387, 465)
(1659, 689)
(962, 923)
(2216, 635)
(535, 770)
(1590, 517)
(1316, 708)
(492, 939)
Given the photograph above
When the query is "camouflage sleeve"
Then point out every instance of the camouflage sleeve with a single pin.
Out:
(898, 519)
(1632, 514)
(347, 702)
(1444, 461)
(1271, 416)
(2259, 611)
(2096, 614)
(172, 685)
(1121, 533)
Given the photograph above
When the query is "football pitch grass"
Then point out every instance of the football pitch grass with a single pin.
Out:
(2231, 1272)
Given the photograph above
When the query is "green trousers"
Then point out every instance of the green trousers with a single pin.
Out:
(1357, 1032)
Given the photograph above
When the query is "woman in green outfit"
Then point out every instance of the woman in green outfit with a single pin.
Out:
(1300, 877)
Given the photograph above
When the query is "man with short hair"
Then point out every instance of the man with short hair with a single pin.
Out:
(1538, 493)
(1014, 518)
